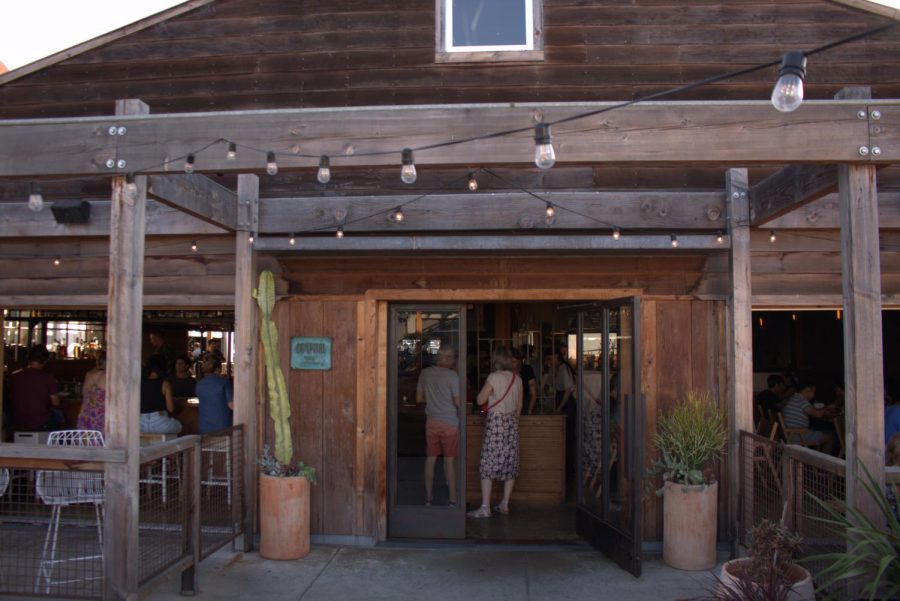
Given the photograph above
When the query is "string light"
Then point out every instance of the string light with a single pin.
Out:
(194, 245)
(251, 237)
(473, 183)
(324, 173)
(189, 164)
(787, 94)
(772, 237)
(231, 155)
(793, 317)
(35, 198)
(396, 216)
(544, 156)
(408, 170)
(339, 233)
(550, 210)
(616, 234)
(56, 261)
(271, 165)
(720, 237)
(674, 239)
(838, 314)
(291, 240)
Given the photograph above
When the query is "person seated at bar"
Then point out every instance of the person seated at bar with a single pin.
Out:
(34, 395)
(770, 399)
(182, 380)
(93, 397)
(216, 395)
(157, 402)
(797, 413)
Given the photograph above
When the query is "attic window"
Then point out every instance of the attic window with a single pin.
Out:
(489, 30)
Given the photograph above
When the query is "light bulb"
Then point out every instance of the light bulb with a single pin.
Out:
(189, 164)
(787, 94)
(720, 237)
(271, 165)
(550, 210)
(56, 261)
(674, 241)
(339, 233)
(616, 234)
(324, 173)
(35, 199)
(232, 151)
(772, 237)
(408, 170)
(397, 215)
(292, 241)
(194, 245)
(473, 183)
(544, 156)
(250, 238)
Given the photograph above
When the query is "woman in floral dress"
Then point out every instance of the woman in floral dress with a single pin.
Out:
(93, 397)
(501, 398)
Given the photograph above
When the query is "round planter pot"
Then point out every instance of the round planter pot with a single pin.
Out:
(283, 517)
(689, 526)
(801, 587)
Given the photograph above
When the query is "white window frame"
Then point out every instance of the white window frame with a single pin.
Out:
(532, 50)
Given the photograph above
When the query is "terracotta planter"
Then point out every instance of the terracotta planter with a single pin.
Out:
(283, 517)
(801, 589)
(689, 526)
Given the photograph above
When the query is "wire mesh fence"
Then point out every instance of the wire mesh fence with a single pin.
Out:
(190, 500)
(51, 531)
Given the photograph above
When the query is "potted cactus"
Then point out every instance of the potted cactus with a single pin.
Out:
(283, 485)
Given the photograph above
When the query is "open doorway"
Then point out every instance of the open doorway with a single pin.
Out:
(561, 488)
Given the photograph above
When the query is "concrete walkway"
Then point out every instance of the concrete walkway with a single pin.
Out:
(455, 573)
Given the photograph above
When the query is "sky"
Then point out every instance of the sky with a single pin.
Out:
(33, 29)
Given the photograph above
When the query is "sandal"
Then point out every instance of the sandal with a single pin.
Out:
(481, 512)
(500, 508)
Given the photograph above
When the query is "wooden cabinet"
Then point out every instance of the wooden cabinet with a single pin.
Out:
(542, 459)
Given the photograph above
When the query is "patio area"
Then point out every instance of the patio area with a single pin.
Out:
(438, 573)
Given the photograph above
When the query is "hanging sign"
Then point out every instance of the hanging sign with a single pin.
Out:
(308, 352)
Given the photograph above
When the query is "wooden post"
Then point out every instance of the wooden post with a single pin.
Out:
(2, 368)
(863, 353)
(123, 376)
(245, 347)
(191, 495)
(740, 347)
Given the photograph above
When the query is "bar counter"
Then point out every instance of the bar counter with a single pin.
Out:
(542, 458)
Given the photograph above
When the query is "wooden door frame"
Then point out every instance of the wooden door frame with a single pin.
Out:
(372, 405)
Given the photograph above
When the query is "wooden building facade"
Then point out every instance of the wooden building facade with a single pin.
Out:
(714, 167)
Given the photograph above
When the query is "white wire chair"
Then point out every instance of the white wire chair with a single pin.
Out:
(62, 489)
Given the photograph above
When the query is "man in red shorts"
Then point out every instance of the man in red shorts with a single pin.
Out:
(438, 388)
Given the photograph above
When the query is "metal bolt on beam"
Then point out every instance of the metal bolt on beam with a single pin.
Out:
(863, 151)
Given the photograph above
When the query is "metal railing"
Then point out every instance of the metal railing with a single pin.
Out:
(190, 504)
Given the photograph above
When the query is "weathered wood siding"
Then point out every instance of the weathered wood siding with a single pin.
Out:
(266, 54)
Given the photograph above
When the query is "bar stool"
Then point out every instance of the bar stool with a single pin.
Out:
(65, 488)
(161, 477)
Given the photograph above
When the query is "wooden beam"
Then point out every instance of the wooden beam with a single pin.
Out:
(740, 348)
(499, 211)
(19, 222)
(198, 196)
(529, 243)
(99, 301)
(246, 347)
(720, 132)
(789, 189)
(824, 213)
(863, 353)
(123, 376)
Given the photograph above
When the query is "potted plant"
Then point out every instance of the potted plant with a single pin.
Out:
(690, 438)
(871, 562)
(769, 572)
(283, 484)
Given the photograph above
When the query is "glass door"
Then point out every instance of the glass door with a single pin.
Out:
(611, 431)
(426, 434)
